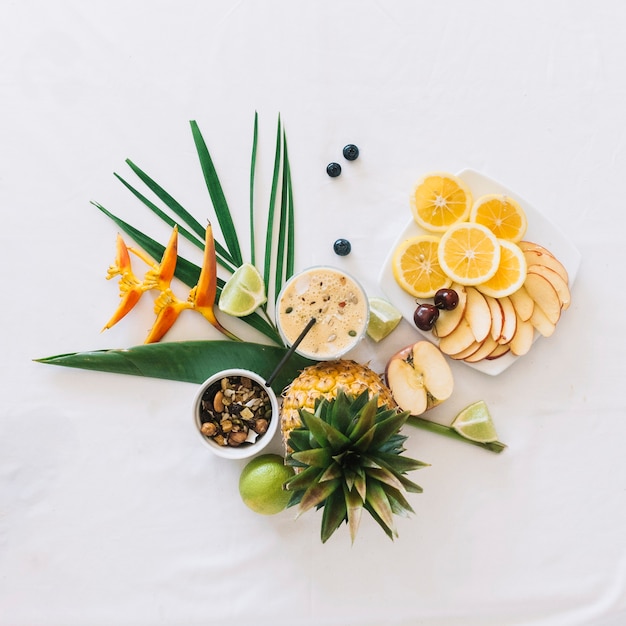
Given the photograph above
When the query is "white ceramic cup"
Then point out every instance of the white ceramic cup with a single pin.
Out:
(339, 305)
(242, 451)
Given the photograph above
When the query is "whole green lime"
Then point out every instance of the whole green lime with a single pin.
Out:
(261, 484)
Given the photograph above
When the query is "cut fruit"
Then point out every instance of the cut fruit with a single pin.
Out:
(497, 317)
(449, 320)
(523, 338)
(523, 304)
(499, 350)
(419, 377)
(556, 280)
(509, 323)
(478, 314)
(469, 253)
(541, 322)
(540, 289)
(384, 317)
(538, 255)
(416, 267)
(511, 272)
(486, 348)
(474, 422)
(460, 339)
(243, 292)
(440, 200)
(500, 214)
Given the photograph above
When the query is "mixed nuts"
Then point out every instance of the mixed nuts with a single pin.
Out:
(235, 411)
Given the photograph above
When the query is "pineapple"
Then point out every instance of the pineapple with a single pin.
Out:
(340, 429)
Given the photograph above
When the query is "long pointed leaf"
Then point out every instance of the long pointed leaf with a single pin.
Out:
(391, 533)
(334, 514)
(317, 457)
(252, 173)
(218, 199)
(398, 462)
(325, 433)
(389, 426)
(316, 494)
(168, 200)
(223, 256)
(187, 361)
(377, 499)
(282, 229)
(399, 504)
(304, 479)
(190, 236)
(354, 510)
(269, 234)
(384, 476)
(366, 419)
(290, 235)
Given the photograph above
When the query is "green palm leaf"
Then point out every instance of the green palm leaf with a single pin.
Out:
(269, 233)
(175, 206)
(187, 361)
(255, 136)
(216, 192)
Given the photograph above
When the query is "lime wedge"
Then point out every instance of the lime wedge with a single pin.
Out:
(474, 423)
(384, 317)
(243, 292)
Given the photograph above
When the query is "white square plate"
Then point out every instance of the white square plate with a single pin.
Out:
(540, 230)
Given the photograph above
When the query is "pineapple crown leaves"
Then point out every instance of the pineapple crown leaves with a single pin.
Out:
(348, 451)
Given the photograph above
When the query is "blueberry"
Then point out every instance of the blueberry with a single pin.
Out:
(351, 152)
(342, 247)
(333, 170)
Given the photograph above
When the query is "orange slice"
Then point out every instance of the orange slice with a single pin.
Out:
(511, 272)
(469, 253)
(416, 268)
(500, 214)
(440, 200)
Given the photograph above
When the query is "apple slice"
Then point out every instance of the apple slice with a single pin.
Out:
(477, 313)
(497, 317)
(449, 320)
(500, 350)
(556, 280)
(523, 338)
(461, 356)
(522, 303)
(533, 257)
(459, 339)
(419, 377)
(531, 245)
(510, 320)
(540, 321)
(487, 347)
(545, 296)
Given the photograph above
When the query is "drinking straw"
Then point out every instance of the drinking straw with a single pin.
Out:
(291, 350)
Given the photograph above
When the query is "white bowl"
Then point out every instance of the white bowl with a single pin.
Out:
(323, 311)
(244, 450)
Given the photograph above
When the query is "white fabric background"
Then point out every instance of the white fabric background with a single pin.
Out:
(111, 510)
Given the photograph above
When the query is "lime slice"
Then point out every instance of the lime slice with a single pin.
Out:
(243, 292)
(384, 317)
(474, 423)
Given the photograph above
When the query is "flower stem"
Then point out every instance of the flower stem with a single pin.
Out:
(434, 427)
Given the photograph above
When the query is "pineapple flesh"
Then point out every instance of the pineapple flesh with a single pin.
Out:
(341, 430)
(323, 380)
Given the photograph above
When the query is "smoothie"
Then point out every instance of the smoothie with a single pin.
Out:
(336, 301)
